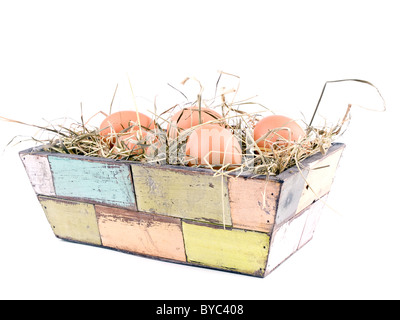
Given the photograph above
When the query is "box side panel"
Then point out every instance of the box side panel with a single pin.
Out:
(38, 169)
(319, 179)
(182, 194)
(72, 220)
(290, 195)
(231, 249)
(102, 182)
(253, 203)
(292, 235)
(137, 232)
(313, 216)
(306, 183)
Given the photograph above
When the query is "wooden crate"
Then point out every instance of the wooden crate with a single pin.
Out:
(186, 215)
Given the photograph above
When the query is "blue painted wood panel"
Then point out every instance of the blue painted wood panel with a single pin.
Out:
(103, 182)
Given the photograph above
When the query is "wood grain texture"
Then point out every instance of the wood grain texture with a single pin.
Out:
(141, 233)
(319, 179)
(182, 193)
(253, 203)
(38, 169)
(72, 220)
(231, 249)
(103, 182)
(292, 235)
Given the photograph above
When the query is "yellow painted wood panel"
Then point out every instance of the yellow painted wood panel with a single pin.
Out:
(72, 220)
(319, 179)
(232, 249)
(142, 233)
(182, 193)
(253, 203)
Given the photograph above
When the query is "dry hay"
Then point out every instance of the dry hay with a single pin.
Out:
(79, 138)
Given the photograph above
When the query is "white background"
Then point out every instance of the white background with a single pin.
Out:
(56, 54)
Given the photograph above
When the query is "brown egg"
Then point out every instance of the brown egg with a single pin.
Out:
(215, 144)
(118, 121)
(281, 136)
(189, 117)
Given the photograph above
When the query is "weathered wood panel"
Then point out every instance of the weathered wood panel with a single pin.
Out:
(253, 203)
(181, 193)
(319, 179)
(232, 249)
(318, 170)
(103, 182)
(72, 220)
(38, 169)
(292, 235)
(142, 233)
(313, 216)
(291, 189)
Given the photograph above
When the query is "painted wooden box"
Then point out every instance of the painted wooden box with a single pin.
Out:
(243, 224)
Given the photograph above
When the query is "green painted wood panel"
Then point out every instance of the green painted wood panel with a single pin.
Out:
(72, 220)
(104, 182)
(182, 193)
(232, 249)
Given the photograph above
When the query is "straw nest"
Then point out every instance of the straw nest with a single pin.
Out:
(80, 138)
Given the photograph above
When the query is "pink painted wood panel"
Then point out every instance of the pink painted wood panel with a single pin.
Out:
(138, 232)
(253, 203)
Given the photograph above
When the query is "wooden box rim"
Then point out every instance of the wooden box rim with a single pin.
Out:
(278, 178)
